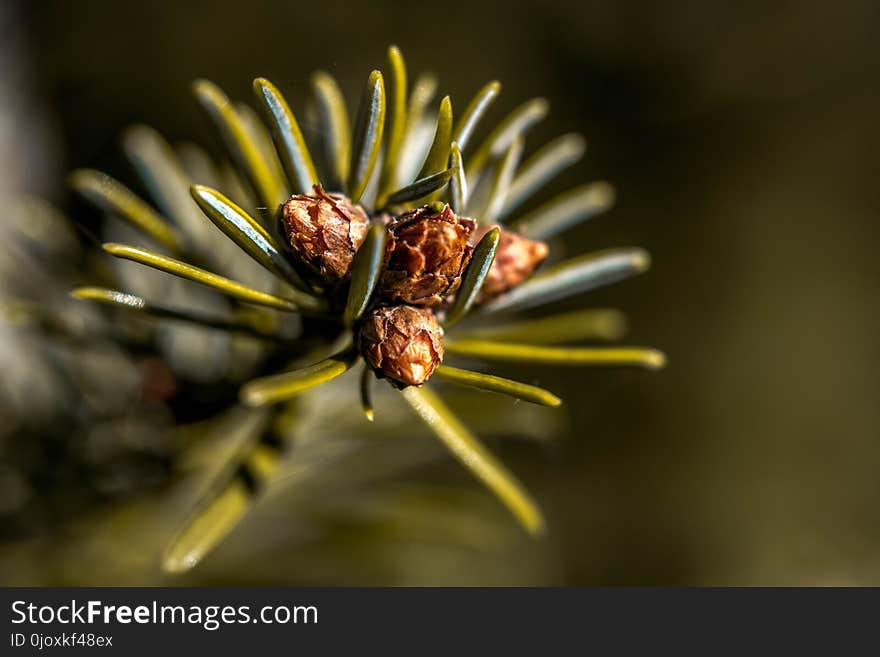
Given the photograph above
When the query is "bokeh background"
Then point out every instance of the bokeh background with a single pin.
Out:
(742, 139)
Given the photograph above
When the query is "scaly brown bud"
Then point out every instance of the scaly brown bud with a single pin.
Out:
(515, 260)
(402, 343)
(325, 231)
(425, 255)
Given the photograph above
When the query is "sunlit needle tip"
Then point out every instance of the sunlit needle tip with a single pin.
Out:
(252, 398)
(655, 360)
(641, 260)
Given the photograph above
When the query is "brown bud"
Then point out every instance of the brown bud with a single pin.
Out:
(325, 231)
(425, 255)
(515, 260)
(402, 343)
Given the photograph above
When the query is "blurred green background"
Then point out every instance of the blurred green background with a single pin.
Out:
(741, 138)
